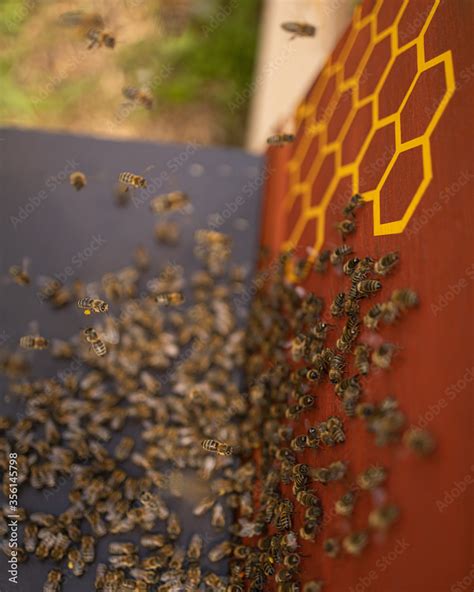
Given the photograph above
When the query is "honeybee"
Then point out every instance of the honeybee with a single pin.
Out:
(220, 551)
(78, 180)
(355, 542)
(98, 346)
(141, 96)
(217, 447)
(420, 441)
(404, 298)
(169, 202)
(313, 586)
(372, 477)
(122, 548)
(88, 549)
(99, 38)
(173, 526)
(367, 287)
(386, 263)
(167, 233)
(33, 342)
(299, 29)
(53, 581)
(218, 518)
(382, 356)
(336, 257)
(337, 306)
(321, 262)
(124, 448)
(361, 354)
(170, 298)
(336, 368)
(350, 266)
(131, 180)
(331, 547)
(92, 304)
(298, 444)
(195, 547)
(382, 518)
(346, 227)
(373, 317)
(281, 139)
(353, 204)
(345, 505)
(75, 562)
(19, 273)
(212, 237)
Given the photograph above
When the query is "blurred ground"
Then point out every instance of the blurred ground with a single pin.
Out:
(196, 57)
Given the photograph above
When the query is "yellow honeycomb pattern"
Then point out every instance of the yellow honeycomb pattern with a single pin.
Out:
(318, 130)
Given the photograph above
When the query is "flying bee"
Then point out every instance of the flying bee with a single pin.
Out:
(173, 526)
(131, 180)
(344, 506)
(313, 586)
(331, 547)
(372, 477)
(299, 29)
(353, 204)
(167, 233)
(346, 227)
(100, 38)
(354, 543)
(280, 139)
(337, 306)
(53, 581)
(361, 355)
(337, 470)
(19, 273)
(373, 317)
(92, 337)
(75, 562)
(386, 263)
(218, 447)
(337, 256)
(420, 441)
(92, 304)
(383, 517)
(141, 96)
(78, 180)
(220, 551)
(382, 356)
(169, 202)
(88, 549)
(33, 342)
(404, 298)
(170, 298)
(367, 287)
(321, 262)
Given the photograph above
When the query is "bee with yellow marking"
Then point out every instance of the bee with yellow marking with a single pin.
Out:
(169, 202)
(92, 337)
(299, 29)
(92, 304)
(219, 448)
(131, 180)
(78, 180)
(140, 96)
(33, 342)
(170, 298)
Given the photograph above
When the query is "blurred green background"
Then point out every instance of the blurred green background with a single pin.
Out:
(196, 57)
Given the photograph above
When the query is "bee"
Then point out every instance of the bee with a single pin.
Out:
(131, 180)
(350, 266)
(346, 227)
(285, 511)
(336, 368)
(268, 563)
(382, 518)
(382, 356)
(404, 299)
(298, 444)
(361, 355)
(331, 547)
(152, 541)
(306, 401)
(312, 375)
(220, 551)
(141, 96)
(173, 526)
(124, 448)
(386, 263)
(299, 29)
(75, 562)
(78, 180)
(61, 545)
(98, 346)
(218, 518)
(19, 273)
(313, 586)
(420, 441)
(217, 447)
(195, 547)
(88, 549)
(337, 470)
(353, 204)
(169, 202)
(337, 306)
(372, 477)
(170, 298)
(292, 560)
(321, 262)
(30, 536)
(344, 506)
(355, 543)
(367, 287)
(92, 304)
(53, 581)
(167, 233)
(33, 342)
(337, 256)
(99, 38)
(374, 316)
(141, 256)
(280, 139)
(122, 548)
